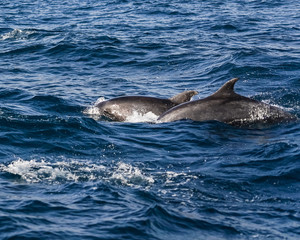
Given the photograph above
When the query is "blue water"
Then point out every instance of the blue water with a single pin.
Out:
(65, 174)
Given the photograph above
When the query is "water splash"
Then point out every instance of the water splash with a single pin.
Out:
(288, 109)
(17, 34)
(93, 111)
(36, 171)
(126, 174)
(138, 117)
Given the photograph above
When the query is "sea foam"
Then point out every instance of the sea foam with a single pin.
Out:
(35, 171)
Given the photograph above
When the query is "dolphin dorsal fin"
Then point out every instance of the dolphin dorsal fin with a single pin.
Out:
(227, 89)
(183, 97)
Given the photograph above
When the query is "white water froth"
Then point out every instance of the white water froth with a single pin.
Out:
(35, 171)
(288, 109)
(99, 100)
(173, 181)
(138, 117)
(129, 175)
(17, 34)
(93, 111)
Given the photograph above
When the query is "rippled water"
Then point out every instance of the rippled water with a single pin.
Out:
(66, 174)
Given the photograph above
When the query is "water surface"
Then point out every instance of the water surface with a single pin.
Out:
(67, 175)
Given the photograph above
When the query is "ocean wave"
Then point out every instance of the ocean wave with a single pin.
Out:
(66, 174)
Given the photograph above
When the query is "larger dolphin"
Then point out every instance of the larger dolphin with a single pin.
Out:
(119, 109)
(229, 107)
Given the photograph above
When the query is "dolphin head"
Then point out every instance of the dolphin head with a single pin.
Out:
(183, 97)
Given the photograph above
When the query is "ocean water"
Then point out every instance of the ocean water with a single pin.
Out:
(65, 173)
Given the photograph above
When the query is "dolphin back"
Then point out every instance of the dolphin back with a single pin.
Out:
(229, 107)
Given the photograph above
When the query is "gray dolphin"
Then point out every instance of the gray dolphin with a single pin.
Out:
(119, 109)
(229, 107)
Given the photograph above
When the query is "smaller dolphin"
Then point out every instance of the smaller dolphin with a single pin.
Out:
(229, 107)
(119, 109)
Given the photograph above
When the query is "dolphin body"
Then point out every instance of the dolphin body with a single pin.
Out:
(119, 109)
(229, 107)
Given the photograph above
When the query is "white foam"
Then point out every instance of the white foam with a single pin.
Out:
(16, 34)
(99, 100)
(138, 117)
(129, 175)
(171, 177)
(35, 171)
(278, 106)
(93, 111)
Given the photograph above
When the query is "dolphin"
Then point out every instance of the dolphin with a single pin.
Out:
(229, 107)
(119, 109)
